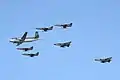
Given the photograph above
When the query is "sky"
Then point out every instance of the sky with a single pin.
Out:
(94, 34)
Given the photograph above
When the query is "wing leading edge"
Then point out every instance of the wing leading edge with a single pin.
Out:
(22, 39)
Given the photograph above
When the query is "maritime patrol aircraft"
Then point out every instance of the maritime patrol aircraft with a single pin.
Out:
(19, 40)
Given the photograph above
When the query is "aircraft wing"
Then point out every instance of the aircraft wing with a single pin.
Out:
(24, 36)
(22, 39)
(18, 44)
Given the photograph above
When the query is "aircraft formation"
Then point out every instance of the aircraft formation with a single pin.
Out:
(19, 40)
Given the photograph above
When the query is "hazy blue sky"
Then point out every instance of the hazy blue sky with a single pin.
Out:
(95, 34)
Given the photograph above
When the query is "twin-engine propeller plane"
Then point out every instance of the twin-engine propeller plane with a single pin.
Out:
(31, 55)
(63, 44)
(19, 40)
(104, 60)
(64, 25)
(25, 49)
(45, 29)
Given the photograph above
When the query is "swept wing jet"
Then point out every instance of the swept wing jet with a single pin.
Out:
(45, 29)
(63, 44)
(31, 54)
(104, 60)
(25, 49)
(25, 39)
(64, 25)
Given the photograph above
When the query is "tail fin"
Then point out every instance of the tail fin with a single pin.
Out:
(110, 57)
(36, 34)
(51, 27)
(37, 53)
(31, 47)
(70, 42)
(70, 24)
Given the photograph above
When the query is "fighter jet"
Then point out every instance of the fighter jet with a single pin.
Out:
(67, 44)
(25, 39)
(25, 49)
(64, 25)
(31, 55)
(104, 60)
(45, 29)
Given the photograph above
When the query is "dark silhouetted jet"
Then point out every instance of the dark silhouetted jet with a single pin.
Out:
(25, 49)
(64, 25)
(104, 60)
(63, 44)
(45, 29)
(31, 55)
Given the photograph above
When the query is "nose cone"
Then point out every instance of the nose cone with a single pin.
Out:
(10, 40)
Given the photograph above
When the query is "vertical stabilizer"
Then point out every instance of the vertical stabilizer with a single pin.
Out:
(36, 34)
(37, 53)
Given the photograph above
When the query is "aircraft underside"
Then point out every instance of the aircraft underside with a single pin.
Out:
(26, 40)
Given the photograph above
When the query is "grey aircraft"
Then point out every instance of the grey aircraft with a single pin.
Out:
(25, 49)
(45, 29)
(104, 60)
(31, 55)
(64, 25)
(63, 44)
(20, 40)
(24, 39)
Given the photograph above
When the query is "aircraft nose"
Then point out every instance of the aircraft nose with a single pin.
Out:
(10, 40)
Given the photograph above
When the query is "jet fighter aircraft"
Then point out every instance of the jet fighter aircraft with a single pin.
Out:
(31, 55)
(63, 44)
(25, 49)
(25, 39)
(104, 60)
(64, 25)
(45, 29)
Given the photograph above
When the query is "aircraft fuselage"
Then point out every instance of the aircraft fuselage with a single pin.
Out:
(29, 39)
